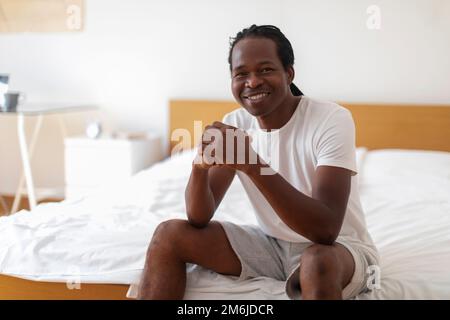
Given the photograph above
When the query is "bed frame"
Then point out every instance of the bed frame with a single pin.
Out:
(424, 127)
(378, 126)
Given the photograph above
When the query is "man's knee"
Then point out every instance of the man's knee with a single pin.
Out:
(167, 234)
(170, 228)
(319, 262)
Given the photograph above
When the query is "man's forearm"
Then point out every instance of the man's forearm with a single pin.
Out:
(200, 203)
(307, 216)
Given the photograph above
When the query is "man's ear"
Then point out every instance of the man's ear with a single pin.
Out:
(291, 74)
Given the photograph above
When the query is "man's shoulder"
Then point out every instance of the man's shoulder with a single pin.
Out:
(239, 118)
(324, 109)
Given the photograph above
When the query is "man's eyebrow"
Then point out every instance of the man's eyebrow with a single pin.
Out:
(239, 67)
(242, 66)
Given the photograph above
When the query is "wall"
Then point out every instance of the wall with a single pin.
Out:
(339, 58)
(133, 56)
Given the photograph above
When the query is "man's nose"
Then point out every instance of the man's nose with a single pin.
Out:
(253, 81)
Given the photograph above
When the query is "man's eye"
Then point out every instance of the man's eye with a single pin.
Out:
(240, 75)
(266, 70)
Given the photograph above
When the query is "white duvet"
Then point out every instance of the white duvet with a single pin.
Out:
(103, 238)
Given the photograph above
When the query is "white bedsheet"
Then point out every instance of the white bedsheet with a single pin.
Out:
(406, 197)
(103, 238)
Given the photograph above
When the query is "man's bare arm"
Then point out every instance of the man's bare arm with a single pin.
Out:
(204, 192)
(318, 218)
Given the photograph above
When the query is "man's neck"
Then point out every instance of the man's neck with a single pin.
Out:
(281, 115)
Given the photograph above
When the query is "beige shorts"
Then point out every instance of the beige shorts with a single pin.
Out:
(262, 255)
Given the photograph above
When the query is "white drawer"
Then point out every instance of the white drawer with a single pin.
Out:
(90, 162)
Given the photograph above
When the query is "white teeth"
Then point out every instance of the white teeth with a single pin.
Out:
(258, 96)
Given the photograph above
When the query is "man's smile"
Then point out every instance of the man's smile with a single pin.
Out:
(256, 97)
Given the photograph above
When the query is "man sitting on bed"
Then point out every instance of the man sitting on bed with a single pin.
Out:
(312, 232)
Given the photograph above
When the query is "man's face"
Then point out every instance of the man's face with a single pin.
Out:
(259, 81)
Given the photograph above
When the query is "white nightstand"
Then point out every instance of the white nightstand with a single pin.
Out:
(90, 163)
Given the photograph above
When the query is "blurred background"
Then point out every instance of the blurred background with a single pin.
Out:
(130, 58)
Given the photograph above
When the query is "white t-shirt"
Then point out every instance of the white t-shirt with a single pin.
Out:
(319, 133)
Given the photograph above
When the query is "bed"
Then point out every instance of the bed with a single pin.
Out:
(94, 247)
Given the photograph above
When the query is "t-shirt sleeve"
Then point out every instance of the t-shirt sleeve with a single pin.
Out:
(336, 142)
(230, 119)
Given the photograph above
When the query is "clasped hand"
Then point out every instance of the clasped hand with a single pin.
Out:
(225, 145)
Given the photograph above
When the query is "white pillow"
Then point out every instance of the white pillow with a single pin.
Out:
(405, 167)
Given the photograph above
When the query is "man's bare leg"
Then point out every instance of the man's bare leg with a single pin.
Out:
(175, 243)
(325, 271)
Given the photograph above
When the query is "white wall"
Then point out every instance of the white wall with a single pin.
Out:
(133, 56)
(339, 58)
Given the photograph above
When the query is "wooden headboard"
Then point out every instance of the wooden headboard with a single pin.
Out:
(422, 127)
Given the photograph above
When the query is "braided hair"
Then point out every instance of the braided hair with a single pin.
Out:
(284, 47)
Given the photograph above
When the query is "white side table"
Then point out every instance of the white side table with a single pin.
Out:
(26, 152)
(90, 163)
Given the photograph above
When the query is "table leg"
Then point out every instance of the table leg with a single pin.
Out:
(4, 205)
(26, 156)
